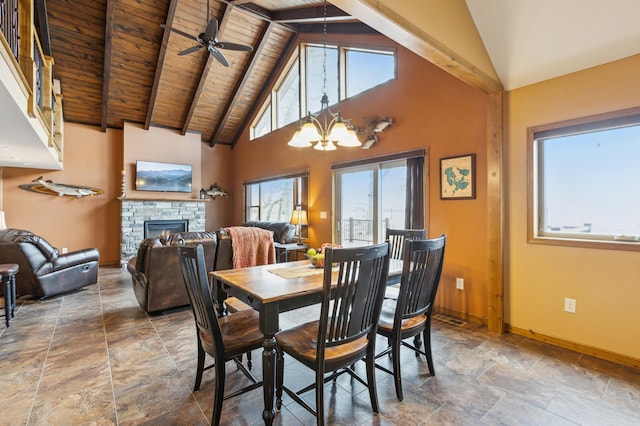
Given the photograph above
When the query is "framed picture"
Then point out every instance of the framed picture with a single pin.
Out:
(458, 177)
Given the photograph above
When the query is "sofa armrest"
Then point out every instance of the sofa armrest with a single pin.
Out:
(75, 258)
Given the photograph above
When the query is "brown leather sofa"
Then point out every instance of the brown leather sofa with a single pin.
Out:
(43, 270)
(155, 271)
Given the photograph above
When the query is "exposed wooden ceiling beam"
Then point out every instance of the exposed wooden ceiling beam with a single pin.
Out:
(257, 52)
(336, 28)
(399, 29)
(108, 46)
(205, 71)
(310, 14)
(256, 11)
(161, 58)
(284, 56)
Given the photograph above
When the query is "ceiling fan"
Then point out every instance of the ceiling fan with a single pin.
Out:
(209, 40)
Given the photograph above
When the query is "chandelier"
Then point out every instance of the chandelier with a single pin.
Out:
(326, 128)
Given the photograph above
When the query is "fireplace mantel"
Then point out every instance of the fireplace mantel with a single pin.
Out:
(188, 200)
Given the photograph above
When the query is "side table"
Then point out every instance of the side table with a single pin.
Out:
(283, 250)
(8, 272)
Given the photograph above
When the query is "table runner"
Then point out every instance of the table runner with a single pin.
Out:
(297, 271)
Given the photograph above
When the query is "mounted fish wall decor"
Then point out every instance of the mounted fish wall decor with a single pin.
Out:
(42, 186)
(216, 191)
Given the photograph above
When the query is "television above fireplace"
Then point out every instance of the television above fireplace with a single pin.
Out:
(164, 177)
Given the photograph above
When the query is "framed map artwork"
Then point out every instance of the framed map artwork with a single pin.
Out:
(458, 177)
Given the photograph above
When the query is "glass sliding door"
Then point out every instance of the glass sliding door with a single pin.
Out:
(369, 199)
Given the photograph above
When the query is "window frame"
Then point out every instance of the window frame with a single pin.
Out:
(298, 58)
(300, 194)
(586, 124)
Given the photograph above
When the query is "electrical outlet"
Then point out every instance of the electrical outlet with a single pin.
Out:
(460, 283)
(570, 305)
(64, 250)
(323, 215)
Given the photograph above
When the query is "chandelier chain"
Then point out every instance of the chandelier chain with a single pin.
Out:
(324, 50)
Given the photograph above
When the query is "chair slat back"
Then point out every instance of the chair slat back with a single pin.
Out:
(423, 260)
(357, 296)
(397, 237)
(192, 263)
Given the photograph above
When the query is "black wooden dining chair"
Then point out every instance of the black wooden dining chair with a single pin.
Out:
(410, 314)
(397, 237)
(346, 330)
(224, 338)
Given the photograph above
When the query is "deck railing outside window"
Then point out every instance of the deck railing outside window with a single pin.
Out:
(360, 230)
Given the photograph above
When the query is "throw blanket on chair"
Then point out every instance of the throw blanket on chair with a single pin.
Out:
(251, 246)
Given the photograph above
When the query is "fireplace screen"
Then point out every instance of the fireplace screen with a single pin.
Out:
(157, 228)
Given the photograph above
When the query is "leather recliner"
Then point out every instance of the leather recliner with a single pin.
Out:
(155, 271)
(43, 270)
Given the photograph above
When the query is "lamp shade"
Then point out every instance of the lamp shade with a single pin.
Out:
(299, 217)
(351, 139)
(3, 222)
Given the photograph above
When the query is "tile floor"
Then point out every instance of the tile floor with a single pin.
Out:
(95, 358)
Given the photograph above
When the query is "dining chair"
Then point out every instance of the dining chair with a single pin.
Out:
(397, 237)
(224, 338)
(352, 294)
(410, 314)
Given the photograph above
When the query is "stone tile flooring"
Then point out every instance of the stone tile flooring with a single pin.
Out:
(94, 357)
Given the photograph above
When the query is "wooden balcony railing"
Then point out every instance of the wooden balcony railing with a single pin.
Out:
(33, 69)
(9, 25)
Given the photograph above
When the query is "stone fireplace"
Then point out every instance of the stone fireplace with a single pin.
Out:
(135, 212)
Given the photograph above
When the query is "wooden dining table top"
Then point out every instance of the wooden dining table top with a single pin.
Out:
(264, 284)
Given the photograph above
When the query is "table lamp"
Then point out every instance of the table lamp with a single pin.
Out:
(299, 218)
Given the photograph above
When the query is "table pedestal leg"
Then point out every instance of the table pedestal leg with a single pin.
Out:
(268, 370)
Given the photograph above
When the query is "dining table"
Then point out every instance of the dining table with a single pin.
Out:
(272, 289)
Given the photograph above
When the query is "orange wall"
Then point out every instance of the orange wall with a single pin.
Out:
(432, 110)
(91, 158)
(538, 277)
(163, 145)
(216, 168)
(94, 158)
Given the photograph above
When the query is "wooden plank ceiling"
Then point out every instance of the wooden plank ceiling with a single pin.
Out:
(116, 63)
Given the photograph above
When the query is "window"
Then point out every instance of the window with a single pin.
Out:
(292, 95)
(371, 196)
(585, 190)
(263, 125)
(288, 98)
(366, 69)
(315, 76)
(274, 199)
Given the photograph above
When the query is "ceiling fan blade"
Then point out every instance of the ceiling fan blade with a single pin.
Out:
(233, 46)
(182, 33)
(219, 56)
(212, 30)
(190, 50)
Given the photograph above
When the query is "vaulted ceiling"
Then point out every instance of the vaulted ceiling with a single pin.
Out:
(116, 63)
